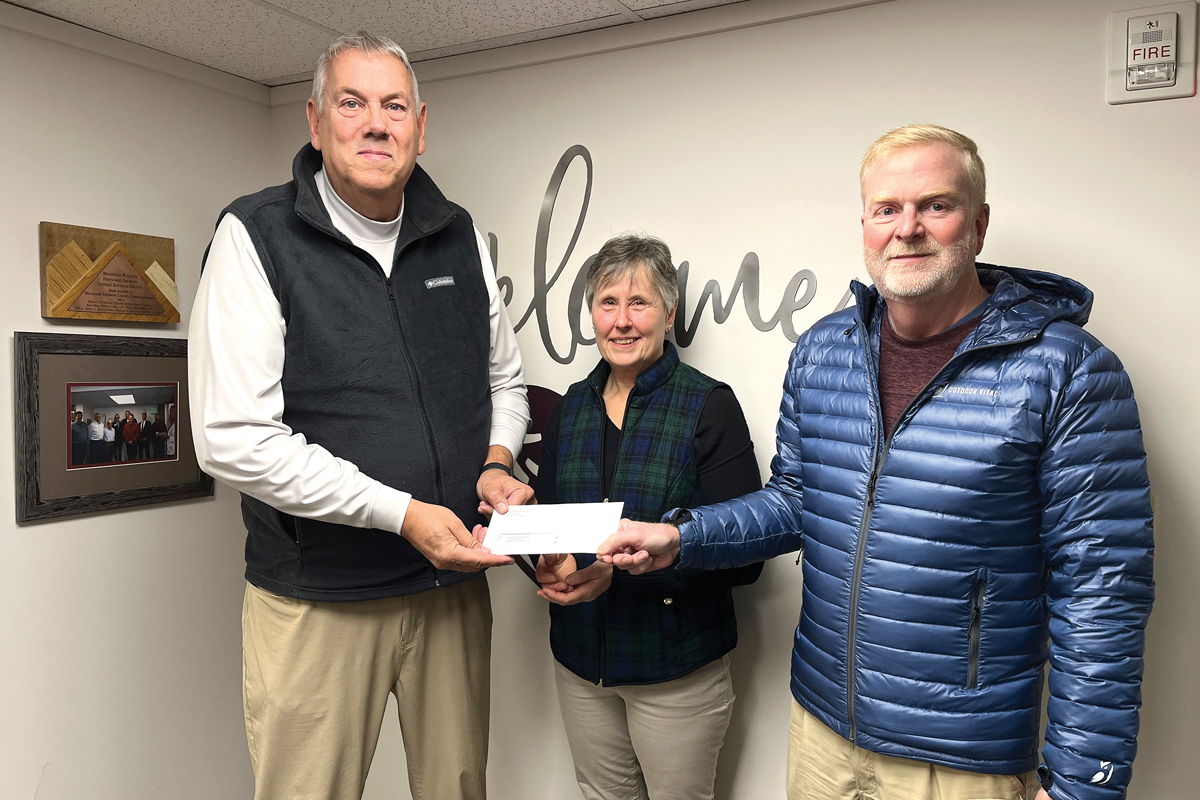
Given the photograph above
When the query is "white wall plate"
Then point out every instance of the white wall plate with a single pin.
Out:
(1180, 54)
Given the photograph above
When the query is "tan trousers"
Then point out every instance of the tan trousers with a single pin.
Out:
(824, 766)
(316, 679)
(659, 741)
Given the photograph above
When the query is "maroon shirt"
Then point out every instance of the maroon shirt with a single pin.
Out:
(906, 366)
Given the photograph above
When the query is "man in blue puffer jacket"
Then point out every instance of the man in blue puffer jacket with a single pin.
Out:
(963, 467)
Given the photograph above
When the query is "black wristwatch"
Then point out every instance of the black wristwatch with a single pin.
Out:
(496, 465)
(678, 517)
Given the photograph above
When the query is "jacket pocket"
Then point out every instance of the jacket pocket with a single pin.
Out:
(977, 593)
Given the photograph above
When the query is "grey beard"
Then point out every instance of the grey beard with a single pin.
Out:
(952, 262)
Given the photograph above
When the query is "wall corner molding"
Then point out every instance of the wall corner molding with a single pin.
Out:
(290, 93)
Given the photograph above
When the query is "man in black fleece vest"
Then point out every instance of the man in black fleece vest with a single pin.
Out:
(354, 374)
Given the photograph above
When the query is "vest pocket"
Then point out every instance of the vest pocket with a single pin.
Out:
(292, 525)
(977, 592)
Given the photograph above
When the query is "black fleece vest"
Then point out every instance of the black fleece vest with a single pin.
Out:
(388, 374)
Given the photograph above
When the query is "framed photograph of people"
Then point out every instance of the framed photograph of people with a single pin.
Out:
(102, 425)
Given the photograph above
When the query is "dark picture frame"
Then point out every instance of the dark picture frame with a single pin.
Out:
(45, 489)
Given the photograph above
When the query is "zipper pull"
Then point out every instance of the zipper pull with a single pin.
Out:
(391, 294)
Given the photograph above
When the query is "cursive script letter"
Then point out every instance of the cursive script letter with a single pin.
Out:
(747, 282)
(542, 286)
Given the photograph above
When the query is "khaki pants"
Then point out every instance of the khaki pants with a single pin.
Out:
(316, 679)
(659, 741)
(824, 766)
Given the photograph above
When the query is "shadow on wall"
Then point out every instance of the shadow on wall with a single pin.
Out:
(746, 691)
(1171, 705)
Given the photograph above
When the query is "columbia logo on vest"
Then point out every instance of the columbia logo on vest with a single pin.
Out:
(445, 280)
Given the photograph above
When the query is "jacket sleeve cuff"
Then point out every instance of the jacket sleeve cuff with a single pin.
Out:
(689, 546)
(1076, 777)
(510, 421)
(389, 508)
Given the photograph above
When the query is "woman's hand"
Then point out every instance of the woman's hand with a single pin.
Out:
(553, 569)
(563, 584)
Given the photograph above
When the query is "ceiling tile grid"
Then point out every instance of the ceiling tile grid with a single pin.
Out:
(101, 396)
(665, 5)
(235, 36)
(275, 42)
(505, 41)
(429, 24)
(650, 9)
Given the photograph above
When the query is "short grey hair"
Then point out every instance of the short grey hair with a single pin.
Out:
(367, 44)
(622, 256)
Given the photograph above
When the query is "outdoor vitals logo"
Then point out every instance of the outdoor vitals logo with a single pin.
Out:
(798, 294)
(966, 391)
(1104, 775)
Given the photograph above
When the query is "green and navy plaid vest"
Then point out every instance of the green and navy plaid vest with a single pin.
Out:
(662, 625)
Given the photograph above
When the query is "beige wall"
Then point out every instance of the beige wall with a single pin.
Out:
(121, 652)
(749, 141)
(125, 627)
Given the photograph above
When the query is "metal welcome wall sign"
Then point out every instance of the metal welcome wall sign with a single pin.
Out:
(796, 296)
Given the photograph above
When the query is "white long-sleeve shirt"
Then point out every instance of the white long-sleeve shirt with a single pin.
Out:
(235, 369)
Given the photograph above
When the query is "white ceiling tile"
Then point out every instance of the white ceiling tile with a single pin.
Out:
(665, 8)
(519, 38)
(275, 42)
(420, 25)
(237, 36)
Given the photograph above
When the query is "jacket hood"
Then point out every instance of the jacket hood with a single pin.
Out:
(1022, 303)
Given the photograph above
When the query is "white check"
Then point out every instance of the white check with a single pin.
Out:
(556, 528)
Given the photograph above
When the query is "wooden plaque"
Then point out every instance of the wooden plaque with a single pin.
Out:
(92, 273)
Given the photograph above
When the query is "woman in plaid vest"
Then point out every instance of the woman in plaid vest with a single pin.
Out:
(643, 666)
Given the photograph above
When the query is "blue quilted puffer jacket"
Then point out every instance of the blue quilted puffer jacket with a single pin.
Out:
(1011, 502)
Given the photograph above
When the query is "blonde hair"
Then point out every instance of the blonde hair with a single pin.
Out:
(915, 135)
